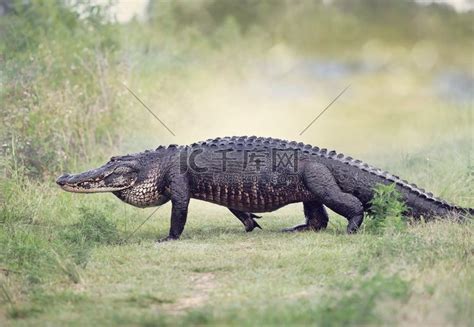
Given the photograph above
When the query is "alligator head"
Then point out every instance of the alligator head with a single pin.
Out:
(135, 179)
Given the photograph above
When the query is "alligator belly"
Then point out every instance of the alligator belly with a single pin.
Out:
(254, 202)
(250, 192)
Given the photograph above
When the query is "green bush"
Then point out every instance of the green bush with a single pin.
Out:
(386, 211)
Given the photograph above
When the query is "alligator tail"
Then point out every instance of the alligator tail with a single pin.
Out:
(466, 212)
(426, 205)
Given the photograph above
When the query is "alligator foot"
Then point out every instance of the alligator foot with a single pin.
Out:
(354, 224)
(247, 218)
(303, 228)
(299, 228)
(166, 239)
(250, 224)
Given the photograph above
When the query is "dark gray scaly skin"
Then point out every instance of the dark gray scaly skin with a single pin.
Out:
(317, 177)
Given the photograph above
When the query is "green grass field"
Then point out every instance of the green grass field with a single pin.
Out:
(217, 69)
(218, 274)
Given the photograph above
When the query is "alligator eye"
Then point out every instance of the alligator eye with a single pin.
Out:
(122, 170)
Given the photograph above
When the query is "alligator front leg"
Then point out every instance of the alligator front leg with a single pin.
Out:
(247, 219)
(179, 190)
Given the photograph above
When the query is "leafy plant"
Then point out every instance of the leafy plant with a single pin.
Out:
(386, 211)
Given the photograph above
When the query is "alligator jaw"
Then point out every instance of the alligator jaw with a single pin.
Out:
(78, 189)
(73, 183)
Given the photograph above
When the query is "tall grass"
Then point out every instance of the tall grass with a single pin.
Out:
(58, 86)
(59, 108)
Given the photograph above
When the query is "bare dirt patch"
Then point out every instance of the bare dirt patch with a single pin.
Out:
(202, 284)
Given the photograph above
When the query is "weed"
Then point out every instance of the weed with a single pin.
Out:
(22, 311)
(386, 211)
(5, 293)
(69, 268)
(92, 229)
(43, 297)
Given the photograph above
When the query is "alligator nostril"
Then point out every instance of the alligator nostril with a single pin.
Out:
(61, 181)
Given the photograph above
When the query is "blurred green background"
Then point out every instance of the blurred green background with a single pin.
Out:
(212, 68)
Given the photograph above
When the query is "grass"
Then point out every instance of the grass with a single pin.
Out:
(217, 274)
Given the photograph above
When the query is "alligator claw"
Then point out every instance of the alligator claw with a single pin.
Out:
(255, 216)
(250, 225)
(352, 229)
(257, 225)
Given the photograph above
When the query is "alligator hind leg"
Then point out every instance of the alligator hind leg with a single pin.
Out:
(247, 219)
(316, 218)
(320, 181)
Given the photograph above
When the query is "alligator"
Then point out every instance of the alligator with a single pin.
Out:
(251, 175)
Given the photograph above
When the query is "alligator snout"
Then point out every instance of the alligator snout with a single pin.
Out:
(61, 181)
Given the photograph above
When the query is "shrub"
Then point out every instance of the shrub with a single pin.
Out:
(386, 211)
